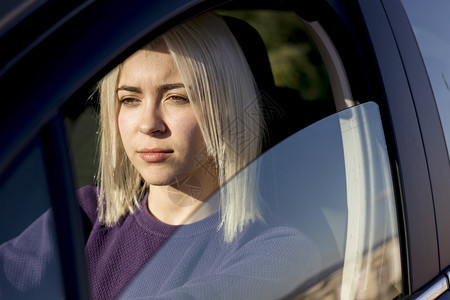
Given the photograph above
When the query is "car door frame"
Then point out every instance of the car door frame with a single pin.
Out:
(375, 42)
(420, 143)
(428, 116)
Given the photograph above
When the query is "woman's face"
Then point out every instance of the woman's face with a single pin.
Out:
(159, 130)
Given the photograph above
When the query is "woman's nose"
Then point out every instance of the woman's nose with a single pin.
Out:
(151, 121)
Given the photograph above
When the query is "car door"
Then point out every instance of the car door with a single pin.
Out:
(373, 69)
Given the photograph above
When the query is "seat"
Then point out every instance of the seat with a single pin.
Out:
(285, 111)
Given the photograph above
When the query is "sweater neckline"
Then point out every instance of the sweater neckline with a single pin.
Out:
(150, 224)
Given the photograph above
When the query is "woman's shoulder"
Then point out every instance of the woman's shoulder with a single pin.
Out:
(88, 200)
(280, 251)
(276, 235)
(277, 230)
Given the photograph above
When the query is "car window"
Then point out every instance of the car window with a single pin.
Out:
(331, 181)
(29, 256)
(430, 22)
(325, 173)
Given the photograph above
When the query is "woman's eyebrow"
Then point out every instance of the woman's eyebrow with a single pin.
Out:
(164, 87)
(170, 86)
(129, 89)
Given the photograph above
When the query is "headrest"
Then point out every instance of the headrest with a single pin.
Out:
(254, 50)
(284, 109)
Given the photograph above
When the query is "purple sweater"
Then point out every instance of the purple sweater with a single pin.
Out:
(141, 257)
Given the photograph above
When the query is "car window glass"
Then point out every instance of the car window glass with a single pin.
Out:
(430, 24)
(30, 170)
(332, 179)
(28, 248)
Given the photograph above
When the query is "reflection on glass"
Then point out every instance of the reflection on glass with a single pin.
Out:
(29, 260)
(29, 171)
(430, 22)
(332, 180)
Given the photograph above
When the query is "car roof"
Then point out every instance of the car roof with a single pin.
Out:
(42, 70)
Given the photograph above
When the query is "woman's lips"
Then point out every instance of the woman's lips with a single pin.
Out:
(154, 155)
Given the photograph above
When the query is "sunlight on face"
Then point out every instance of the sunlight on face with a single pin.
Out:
(157, 124)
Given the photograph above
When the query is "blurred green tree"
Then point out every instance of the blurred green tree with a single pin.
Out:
(295, 62)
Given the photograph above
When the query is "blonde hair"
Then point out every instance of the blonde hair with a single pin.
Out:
(225, 100)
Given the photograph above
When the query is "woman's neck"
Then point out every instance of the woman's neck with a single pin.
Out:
(187, 201)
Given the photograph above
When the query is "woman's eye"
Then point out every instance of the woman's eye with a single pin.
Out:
(178, 99)
(128, 101)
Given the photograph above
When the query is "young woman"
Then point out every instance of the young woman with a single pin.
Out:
(176, 211)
